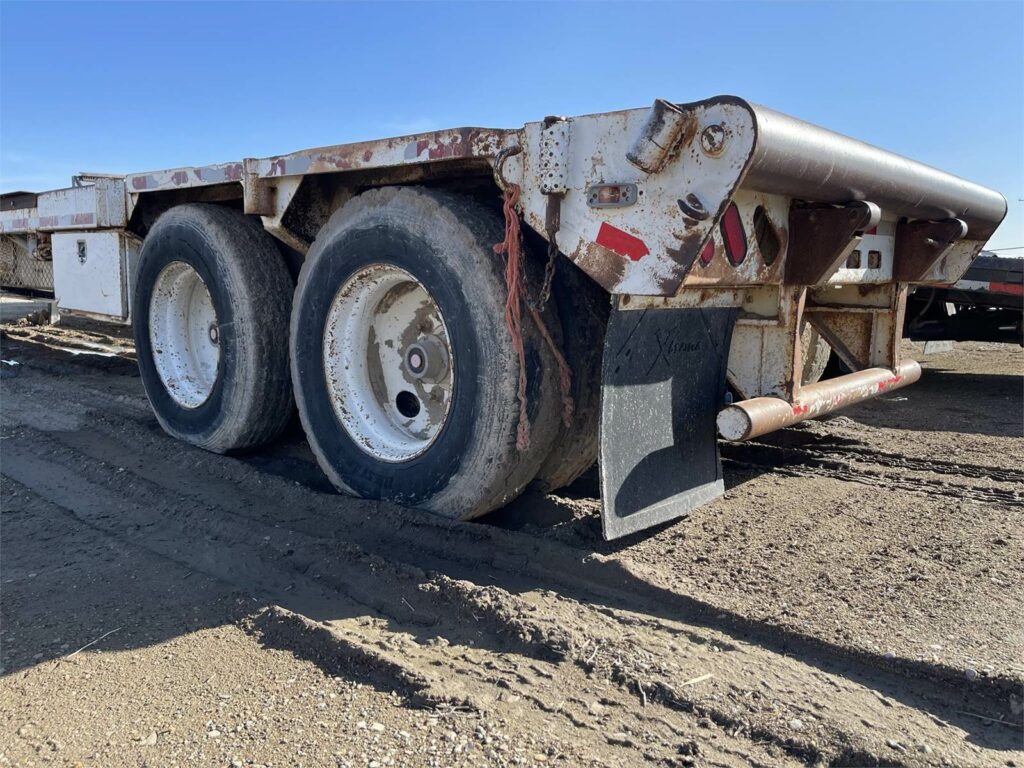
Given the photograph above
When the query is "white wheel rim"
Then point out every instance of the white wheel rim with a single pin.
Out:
(184, 334)
(381, 325)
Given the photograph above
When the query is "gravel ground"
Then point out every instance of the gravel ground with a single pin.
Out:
(853, 600)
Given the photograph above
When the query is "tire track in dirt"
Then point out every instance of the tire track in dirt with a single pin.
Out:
(432, 543)
(875, 470)
(225, 488)
(431, 535)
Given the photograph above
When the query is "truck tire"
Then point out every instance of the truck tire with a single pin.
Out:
(405, 373)
(583, 307)
(210, 319)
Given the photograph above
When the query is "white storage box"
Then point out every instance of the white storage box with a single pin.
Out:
(93, 272)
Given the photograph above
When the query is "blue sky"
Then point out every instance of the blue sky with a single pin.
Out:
(139, 86)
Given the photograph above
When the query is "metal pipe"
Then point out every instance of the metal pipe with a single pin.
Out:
(758, 416)
(801, 160)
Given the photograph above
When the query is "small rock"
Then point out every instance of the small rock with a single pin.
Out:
(149, 741)
(539, 758)
(893, 744)
(890, 655)
(377, 728)
(971, 674)
(796, 724)
(924, 748)
(361, 725)
(214, 734)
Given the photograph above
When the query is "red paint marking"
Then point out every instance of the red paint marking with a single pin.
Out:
(1014, 289)
(800, 410)
(888, 383)
(707, 253)
(733, 236)
(623, 243)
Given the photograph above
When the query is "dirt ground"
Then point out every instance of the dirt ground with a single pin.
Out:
(855, 599)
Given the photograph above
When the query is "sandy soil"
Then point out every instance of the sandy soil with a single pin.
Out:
(854, 599)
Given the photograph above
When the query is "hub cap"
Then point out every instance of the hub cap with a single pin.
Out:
(184, 334)
(387, 361)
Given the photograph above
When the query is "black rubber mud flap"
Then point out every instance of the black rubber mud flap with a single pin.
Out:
(663, 382)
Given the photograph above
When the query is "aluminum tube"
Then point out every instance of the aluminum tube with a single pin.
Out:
(801, 160)
(758, 416)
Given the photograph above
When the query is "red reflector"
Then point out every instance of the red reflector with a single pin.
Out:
(733, 236)
(707, 253)
(623, 243)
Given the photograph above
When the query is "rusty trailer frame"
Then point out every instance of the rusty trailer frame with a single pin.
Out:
(717, 205)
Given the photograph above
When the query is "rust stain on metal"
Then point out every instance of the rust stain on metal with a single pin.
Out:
(426, 147)
(602, 264)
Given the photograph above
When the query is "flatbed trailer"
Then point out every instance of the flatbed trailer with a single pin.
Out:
(986, 304)
(460, 314)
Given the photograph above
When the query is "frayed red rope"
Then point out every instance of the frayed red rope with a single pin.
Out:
(510, 246)
(512, 249)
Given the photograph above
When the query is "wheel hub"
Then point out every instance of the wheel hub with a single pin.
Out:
(184, 334)
(427, 359)
(387, 360)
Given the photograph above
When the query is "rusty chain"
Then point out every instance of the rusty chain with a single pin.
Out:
(549, 275)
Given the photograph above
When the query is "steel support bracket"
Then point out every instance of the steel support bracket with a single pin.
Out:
(257, 194)
(821, 237)
(921, 244)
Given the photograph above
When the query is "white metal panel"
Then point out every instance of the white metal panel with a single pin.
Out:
(99, 204)
(91, 271)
